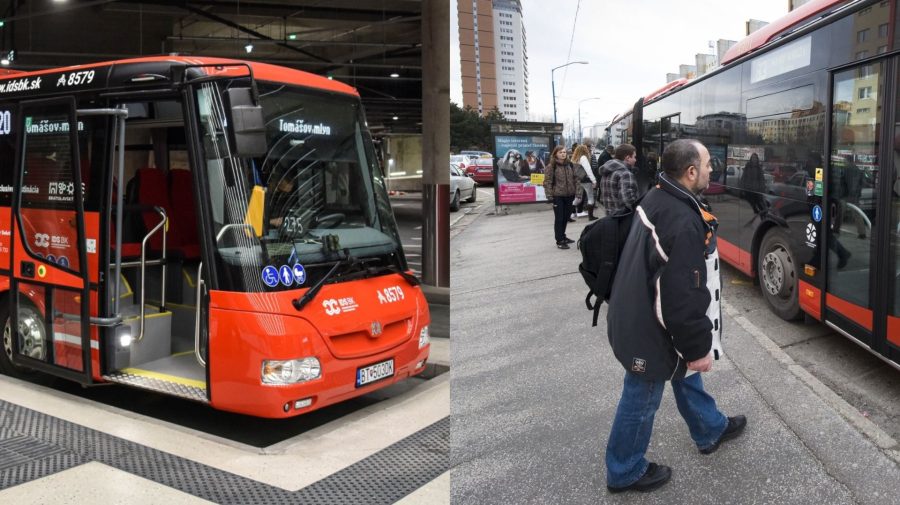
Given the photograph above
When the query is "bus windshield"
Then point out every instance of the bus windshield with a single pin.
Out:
(316, 196)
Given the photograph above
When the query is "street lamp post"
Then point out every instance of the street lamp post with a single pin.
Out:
(553, 82)
(580, 131)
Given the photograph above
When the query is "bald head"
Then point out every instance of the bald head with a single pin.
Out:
(687, 161)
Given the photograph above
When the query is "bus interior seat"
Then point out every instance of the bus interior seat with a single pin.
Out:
(151, 188)
(184, 216)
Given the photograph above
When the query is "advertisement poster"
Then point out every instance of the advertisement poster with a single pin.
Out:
(520, 168)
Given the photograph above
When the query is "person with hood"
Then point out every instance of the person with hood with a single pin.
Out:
(618, 185)
(664, 322)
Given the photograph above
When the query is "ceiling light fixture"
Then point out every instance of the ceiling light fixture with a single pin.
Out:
(292, 36)
(249, 48)
(395, 75)
(396, 118)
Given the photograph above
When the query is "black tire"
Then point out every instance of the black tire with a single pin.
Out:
(778, 275)
(474, 194)
(27, 312)
(454, 204)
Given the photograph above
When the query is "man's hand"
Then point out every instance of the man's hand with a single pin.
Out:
(701, 365)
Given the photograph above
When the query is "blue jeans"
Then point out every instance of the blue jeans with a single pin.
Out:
(631, 429)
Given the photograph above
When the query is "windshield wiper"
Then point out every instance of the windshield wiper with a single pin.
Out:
(408, 277)
(307, 297)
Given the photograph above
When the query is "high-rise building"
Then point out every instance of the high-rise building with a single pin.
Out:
(754, 24)
(722, 47)
(494, 57)
(705, 63)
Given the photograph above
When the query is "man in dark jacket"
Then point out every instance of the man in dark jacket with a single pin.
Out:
(664, 320)
(618, 187)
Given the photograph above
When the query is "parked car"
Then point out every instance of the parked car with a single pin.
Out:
(477, 154)
(460, 187)
(482, 171)
(461, 161)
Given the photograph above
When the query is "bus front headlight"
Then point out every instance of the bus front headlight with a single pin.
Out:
(292, 371)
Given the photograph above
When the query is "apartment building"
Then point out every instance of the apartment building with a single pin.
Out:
(494, 57)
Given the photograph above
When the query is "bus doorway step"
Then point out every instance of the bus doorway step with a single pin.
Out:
(144, 379)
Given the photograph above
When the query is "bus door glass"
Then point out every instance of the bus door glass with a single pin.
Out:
(50, 285)
(856, 246)
(892, 177)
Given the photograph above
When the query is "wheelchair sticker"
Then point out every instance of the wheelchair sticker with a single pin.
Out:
(270, 276)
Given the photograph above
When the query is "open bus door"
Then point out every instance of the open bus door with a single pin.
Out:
(49, 283)
(863, 232)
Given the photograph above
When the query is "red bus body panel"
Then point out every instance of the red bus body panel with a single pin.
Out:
(851, 311)
(810, 299)
(261, 71)
(735, 256)
(336, 328)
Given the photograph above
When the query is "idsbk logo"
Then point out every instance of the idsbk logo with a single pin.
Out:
(331, 307)
(41, 240)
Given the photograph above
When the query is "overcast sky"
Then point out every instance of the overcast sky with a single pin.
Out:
(630, 46)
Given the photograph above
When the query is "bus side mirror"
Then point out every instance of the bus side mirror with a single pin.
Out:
(248, 126)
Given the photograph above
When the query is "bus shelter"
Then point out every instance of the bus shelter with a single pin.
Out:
(522, 152)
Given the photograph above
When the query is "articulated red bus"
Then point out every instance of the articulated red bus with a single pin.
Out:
(212, 229)
(803, 126)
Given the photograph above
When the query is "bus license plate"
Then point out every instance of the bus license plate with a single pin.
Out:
(376, 372)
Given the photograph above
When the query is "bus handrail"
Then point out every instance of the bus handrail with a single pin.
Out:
(232, 225)
(200, 284)
(862, 214)
(162, 302)
(96, 321)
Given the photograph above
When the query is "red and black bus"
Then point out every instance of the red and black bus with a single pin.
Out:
(212, 229)
(802, 123)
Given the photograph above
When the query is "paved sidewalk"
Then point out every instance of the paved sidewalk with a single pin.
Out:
(534, 390)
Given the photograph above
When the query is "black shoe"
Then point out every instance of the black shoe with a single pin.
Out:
(653, 478)
(571, 220)
(734, 429)
(568, 240)
(562, 245)
(593, 218)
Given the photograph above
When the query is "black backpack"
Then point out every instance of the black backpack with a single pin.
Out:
(601, 243)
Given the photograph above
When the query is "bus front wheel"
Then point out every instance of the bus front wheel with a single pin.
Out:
(777, 272)
(31, 338)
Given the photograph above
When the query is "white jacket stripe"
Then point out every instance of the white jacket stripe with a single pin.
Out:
(652, 229)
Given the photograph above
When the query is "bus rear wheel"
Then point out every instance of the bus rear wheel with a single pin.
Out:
(777, 272)
(31, 338)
